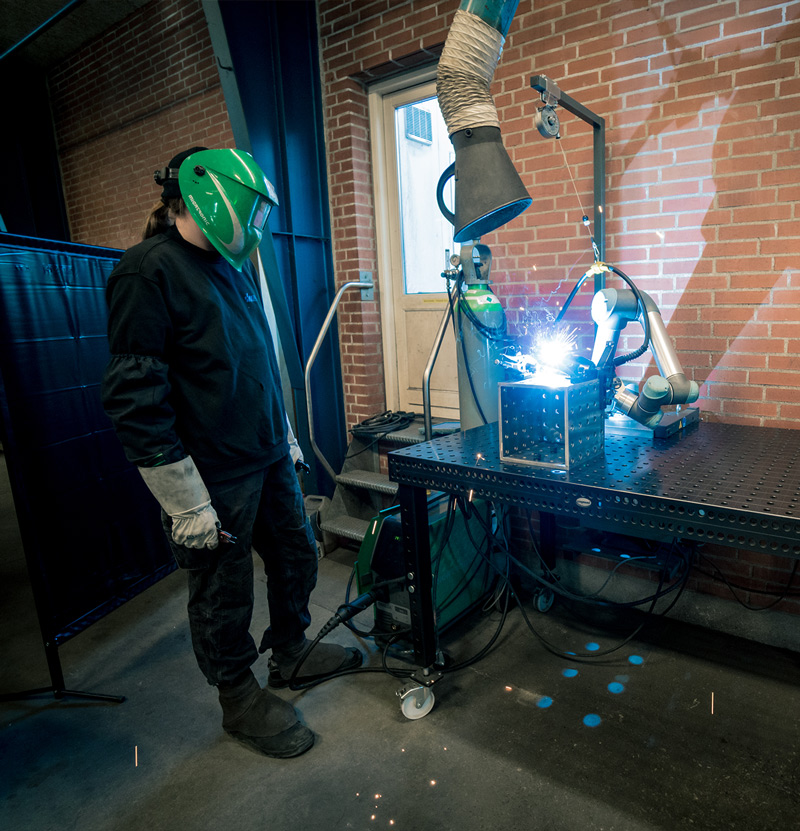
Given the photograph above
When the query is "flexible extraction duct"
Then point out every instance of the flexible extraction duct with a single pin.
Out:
(488, 191)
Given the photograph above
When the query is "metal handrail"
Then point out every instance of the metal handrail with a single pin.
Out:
(324, 331)
(434, 354)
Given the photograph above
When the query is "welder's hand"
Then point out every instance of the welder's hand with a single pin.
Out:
(177, 486)
(196, 528)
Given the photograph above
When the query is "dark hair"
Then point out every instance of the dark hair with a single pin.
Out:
(168, 176)
(162, 217)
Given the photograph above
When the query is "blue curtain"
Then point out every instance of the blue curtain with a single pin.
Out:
(90, 529)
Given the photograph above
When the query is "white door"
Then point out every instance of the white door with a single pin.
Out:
(411, 150)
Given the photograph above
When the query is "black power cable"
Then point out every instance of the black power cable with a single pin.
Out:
(591, 656)
(495, 539)
(645, 320)
(383, 423)
(733, 586)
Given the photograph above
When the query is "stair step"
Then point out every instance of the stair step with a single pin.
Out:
(378, 482)
(413, 434)
(346, 526)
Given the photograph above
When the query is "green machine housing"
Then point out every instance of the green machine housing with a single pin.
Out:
(460, 557)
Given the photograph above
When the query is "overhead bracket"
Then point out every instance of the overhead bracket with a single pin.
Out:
(546, 118)
(552, 96)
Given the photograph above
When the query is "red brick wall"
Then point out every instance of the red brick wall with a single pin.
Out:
(702, 109)
(364, 38)
(123, 106)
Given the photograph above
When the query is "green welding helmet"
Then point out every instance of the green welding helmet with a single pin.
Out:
(230, 199)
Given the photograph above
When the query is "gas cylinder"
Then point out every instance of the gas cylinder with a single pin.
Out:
(481, 324)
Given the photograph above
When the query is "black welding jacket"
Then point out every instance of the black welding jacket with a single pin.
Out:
(193, 368)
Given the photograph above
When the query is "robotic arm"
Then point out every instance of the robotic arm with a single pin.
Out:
(612, 309)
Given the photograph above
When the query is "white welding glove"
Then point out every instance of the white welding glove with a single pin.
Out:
(182, 494)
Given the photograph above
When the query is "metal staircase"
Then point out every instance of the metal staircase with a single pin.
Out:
(363, 488)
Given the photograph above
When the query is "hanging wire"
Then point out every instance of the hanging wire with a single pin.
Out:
(572, 178)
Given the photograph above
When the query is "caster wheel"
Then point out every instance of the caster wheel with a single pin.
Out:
(544, 600)
(417, 704)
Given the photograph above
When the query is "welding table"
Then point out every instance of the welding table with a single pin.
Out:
(732, 485)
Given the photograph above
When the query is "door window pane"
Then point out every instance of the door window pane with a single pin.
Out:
(424, 151)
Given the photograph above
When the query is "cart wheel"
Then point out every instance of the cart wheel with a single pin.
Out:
(418, 703)
(544, 600)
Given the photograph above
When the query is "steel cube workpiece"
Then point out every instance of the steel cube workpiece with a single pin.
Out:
(553, 425)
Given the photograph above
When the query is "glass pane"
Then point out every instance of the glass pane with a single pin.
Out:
(424, 152)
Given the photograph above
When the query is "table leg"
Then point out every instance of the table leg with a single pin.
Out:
(417, 552)
(547, 538)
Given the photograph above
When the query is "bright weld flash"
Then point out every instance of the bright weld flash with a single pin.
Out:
(553, 349)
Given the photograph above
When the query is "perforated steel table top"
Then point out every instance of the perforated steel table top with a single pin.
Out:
(733, 484)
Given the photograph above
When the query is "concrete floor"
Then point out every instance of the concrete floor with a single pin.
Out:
(505, 747)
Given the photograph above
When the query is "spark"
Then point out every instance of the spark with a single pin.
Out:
(508, 689)
(553, 346)
(433, 782)
(377, 796)
(712, 703)
(136, 756)
(469, 498)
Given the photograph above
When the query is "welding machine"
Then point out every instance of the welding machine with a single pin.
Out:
(464, 571)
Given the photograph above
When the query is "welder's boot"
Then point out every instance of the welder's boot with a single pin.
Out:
(323, 660)
(261, 720)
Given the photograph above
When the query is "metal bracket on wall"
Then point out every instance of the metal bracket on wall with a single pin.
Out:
(368, 292)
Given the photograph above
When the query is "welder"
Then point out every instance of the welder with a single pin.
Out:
(193, 389)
